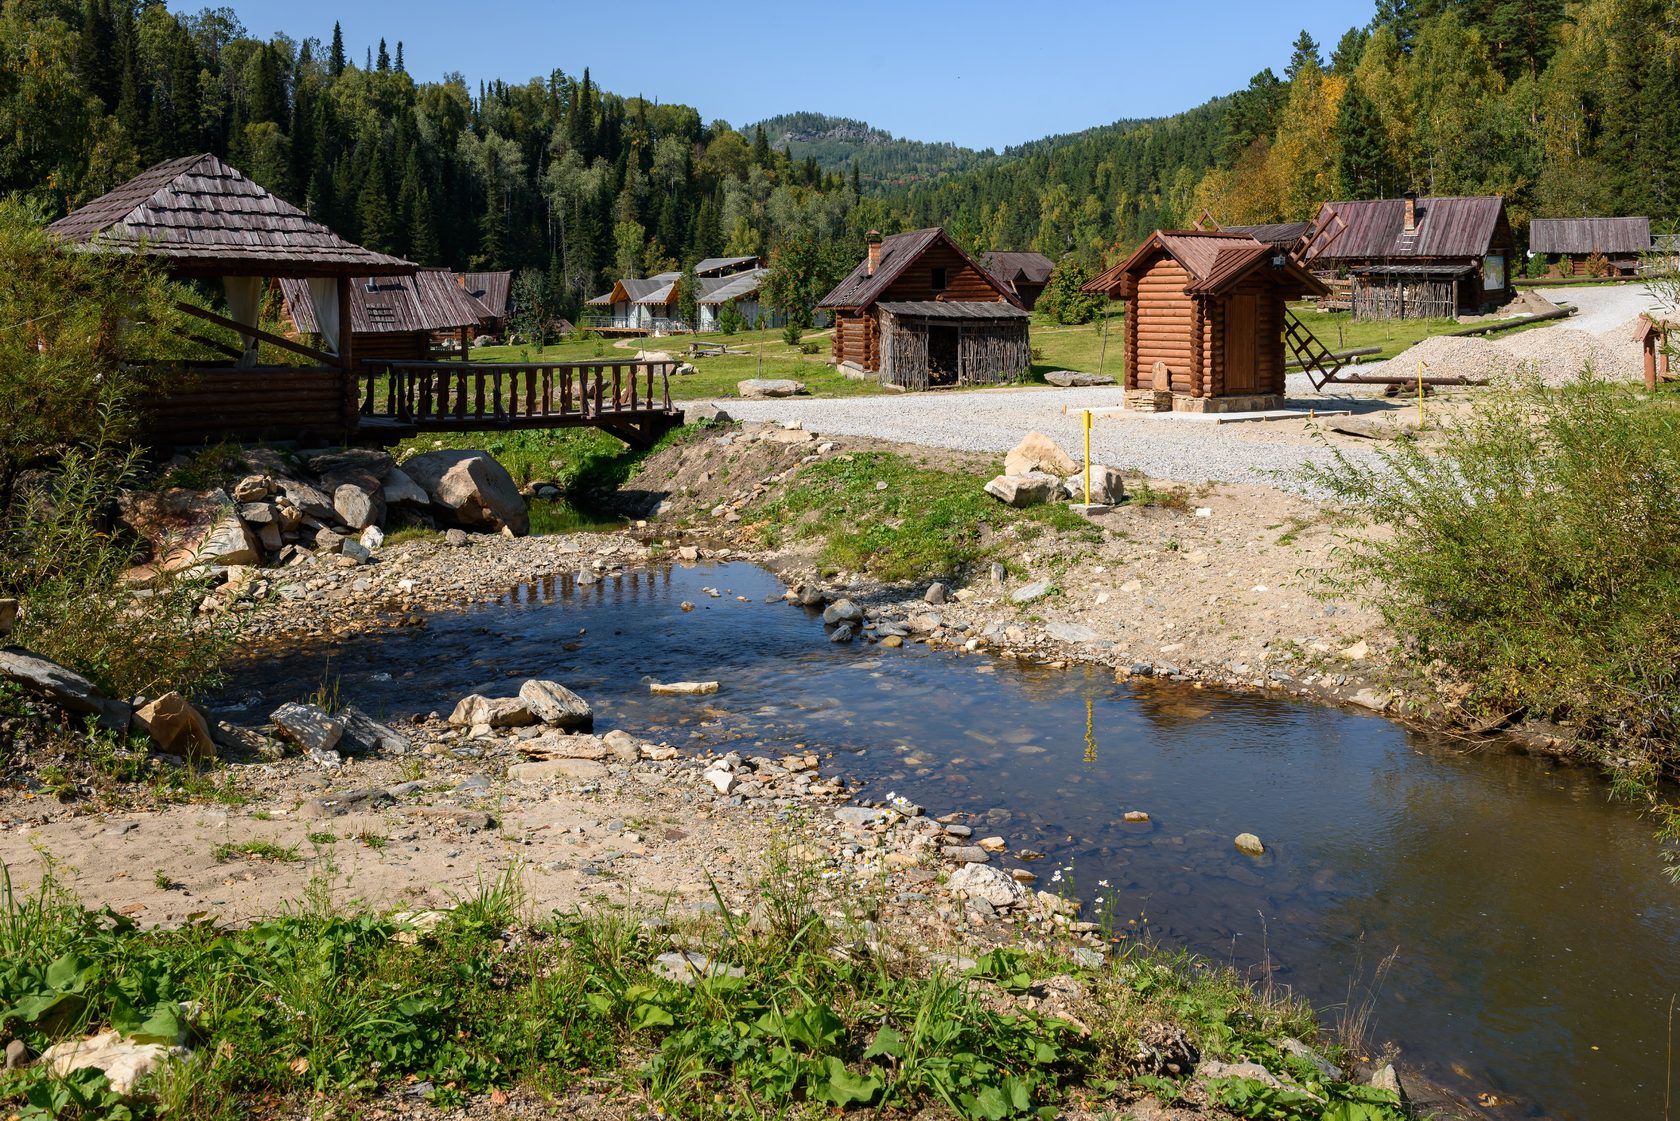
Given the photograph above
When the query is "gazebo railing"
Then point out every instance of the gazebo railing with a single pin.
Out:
(508, 394)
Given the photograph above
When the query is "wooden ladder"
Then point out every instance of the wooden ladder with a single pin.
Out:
(1314, 358)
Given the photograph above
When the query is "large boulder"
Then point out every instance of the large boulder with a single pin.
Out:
(1021, 491)
(554, 704)
(1038, 453)
(65, 688)
(371, 460)
(496, 712)
(1108, 486)
(1069, 379)
(357, 506)
(188, 528)
(401, 490)
(471, 489)
(309, 726)
(769, 387)
(176, 727)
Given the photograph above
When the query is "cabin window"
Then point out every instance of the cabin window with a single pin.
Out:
(938, 280)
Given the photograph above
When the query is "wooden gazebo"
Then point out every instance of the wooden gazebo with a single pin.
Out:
(206, 221)
(1205, 329)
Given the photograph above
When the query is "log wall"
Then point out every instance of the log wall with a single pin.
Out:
(274, 403)
(962, 280)
(1162, 321)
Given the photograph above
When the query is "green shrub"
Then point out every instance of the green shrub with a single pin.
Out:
(1534, 560)
(792, 333)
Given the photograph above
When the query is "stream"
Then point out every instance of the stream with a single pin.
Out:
(1535, 937)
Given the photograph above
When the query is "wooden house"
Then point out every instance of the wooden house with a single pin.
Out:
(395, 317)
(1419, 258)
(636, 306)
(1207, 318)
(1026, 274)
(495, 291)
(1571, 244)
(918, 311)
(743, 290)
(205, 221)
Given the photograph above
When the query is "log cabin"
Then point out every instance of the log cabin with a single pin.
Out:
(1419, 258)
(1207, 315)
(395, 317)
(919, 312)
(495, 291)
(1025, 273)
(1570, 244)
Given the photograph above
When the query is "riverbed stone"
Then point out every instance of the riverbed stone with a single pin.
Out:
(965, 854)
(1250, 845)
(1038, 589)
(981, 881)
(752, 388)
(936, 594)
(842, 611)
(724, 781)
(1038, 453)
(682, 688)
(176, 727)
(1070, 632)
(558, 770)
(1021, 490)
(859, 817)
(684, 967)
(309, 501)
(65, 688)
(400, 489)
(1387, 1078)
(1293, 1047)
(554, 704)
(471, 489)
(843, 633)
(625, 747)
(357, 506)
(309, 726)
(363, 733)
(495, 712)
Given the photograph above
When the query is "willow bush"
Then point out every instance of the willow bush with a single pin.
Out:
(1533, 559)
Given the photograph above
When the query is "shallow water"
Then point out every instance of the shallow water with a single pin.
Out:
(1537, 941)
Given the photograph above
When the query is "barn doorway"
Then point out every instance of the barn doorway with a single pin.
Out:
(943, 348)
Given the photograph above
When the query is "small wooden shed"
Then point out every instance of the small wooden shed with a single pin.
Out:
(919, 312)
(1572, 243)
(1027, 274)
(1207, 318)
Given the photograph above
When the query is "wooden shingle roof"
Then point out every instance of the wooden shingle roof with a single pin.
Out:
(1034, 268)
(1446, 227)
(1590, 235)
(492, 289)
(899, 252)
(430, 300)
(1214, 261)
(207, 219)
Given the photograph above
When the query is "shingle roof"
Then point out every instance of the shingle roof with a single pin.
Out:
(427, 301)
(1214, 260)
(1273, 233)
(954, 309)
(207, 218)
(492, 289)
(1446, 227)
(1034, 268)
(899, 252)
(1590, 235)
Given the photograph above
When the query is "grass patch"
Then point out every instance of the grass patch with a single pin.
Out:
(924, 522)
(1534, 565)
(333, 1008)
(255, 850)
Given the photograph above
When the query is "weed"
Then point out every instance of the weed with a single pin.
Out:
(322, 838)
(374, 841)
(255, 850)
(162, 880)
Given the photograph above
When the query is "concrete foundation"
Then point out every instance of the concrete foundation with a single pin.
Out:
(1255, 403)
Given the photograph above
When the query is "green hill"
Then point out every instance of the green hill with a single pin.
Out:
(883, 160)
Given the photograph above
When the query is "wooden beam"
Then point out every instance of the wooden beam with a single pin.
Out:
(258, 333)
(346, 356)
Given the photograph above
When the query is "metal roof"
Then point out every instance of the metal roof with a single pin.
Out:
(427, 301)
(722, 289)
(207, 218)
(1590, 235)
(899, 252)
(954, 309)
(1446, 227)
(718, 266)
(660, 289)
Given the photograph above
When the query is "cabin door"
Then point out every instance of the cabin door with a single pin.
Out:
(1241, 321)
(943, 349)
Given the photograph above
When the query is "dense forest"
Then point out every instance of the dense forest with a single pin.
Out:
(1565, 108)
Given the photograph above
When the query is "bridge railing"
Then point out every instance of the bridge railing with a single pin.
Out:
(489, 394)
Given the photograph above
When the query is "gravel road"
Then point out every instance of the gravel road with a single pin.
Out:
(1162, 447)
(1604, 307)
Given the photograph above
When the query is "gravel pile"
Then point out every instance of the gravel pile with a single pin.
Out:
(1556, 355)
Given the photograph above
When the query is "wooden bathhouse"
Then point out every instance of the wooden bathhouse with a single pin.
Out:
(1207, 319)
(1419, 258)
(918, 312)
(396, 317)
(1576, 246)
(205, 221)
(1026, 274)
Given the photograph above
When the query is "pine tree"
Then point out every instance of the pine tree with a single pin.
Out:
(401, 69)
(1362, 146)
(857, 179)
(1304, 56)
(384, 63)
(373, 209)
(335, 60)
(1346, 55)
(761, 147)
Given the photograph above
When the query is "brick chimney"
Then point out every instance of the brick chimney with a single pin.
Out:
(874, 252)
(1410, 199)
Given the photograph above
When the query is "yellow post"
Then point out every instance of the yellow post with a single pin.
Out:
(1087, 457)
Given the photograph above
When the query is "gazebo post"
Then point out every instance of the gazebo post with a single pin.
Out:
(347, 357)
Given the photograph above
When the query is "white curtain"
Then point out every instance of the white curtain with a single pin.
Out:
(323, 294)
(244, 297)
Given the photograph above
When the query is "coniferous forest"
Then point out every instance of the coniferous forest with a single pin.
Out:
(1565, 108)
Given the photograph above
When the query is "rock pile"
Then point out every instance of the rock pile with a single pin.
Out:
(1037, 471)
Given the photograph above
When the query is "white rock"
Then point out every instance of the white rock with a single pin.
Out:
(1021, 490)
(553, 770)
(124, 1062)
(497, 712)
(682, 688)
(982, 881)
(724, 781)
(553, 703)
(1250, 844)
(1038, 452)
(309, 726)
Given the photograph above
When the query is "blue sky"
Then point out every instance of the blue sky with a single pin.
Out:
(986, 73)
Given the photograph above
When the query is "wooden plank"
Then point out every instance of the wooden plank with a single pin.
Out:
(258, 333)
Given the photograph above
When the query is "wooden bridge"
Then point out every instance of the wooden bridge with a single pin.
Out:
(630, 399)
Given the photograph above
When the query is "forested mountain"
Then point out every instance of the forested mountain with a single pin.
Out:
(1566, 109)
(882, 160)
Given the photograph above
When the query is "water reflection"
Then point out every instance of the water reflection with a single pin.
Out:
(1531, 917)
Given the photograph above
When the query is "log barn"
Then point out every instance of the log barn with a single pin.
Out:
(1571, 244)
(919, 312)
(1025, 273)
(495, 291)
(1206, 321)
(1420, 258)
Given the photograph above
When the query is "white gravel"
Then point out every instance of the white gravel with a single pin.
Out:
(1604, 307)
(1162, 447)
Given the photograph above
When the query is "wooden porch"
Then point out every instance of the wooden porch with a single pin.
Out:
(631, 400)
